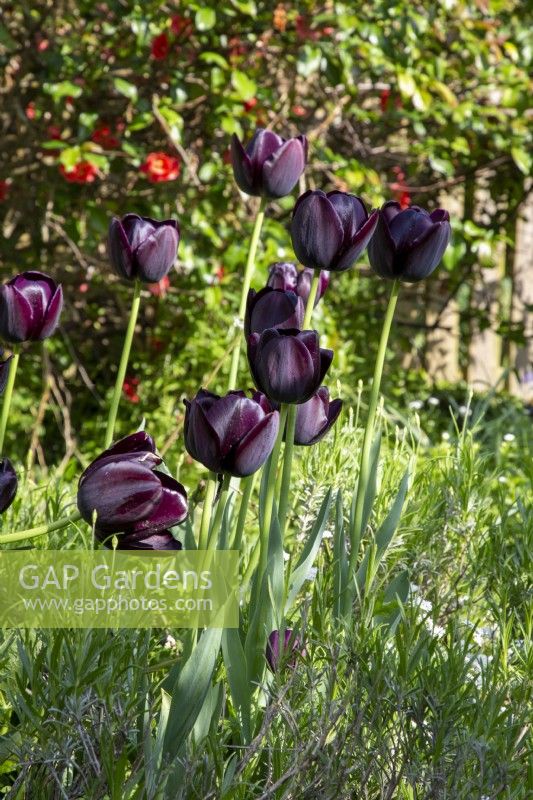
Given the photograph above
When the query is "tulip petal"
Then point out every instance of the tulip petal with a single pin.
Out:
(120, 493)
(232, 417)
(272, 308)
(201, 439)
(137, 229)
(389, 210)
(152, 541)
(119, 249)
(283, 168)
(286, 370)
(326, 357)
(407, 226)
(8, 484)
(256, 446)
(53, 312)
(335, 408)
(316, 231)
(283, 275)
(171, 509)
(312, 417)
(358, 245)
(351, 211)
(242, 168)
(15, 315)
(261, 146)
(425, 253)
(156, 255)
(382, 249)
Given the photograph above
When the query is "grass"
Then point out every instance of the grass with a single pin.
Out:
(430, 699)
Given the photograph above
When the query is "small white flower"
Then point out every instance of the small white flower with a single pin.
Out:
(502, 479)
(464, 411)
(327, 535)
(238, 323)
(433, 401)
(286, 556)
(170, 643)
(509, 437)
(416, 405)
(426, 605)
(445, 436)
(311, 575)
(281, 252)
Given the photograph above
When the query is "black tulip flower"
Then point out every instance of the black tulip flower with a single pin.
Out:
(272, 308)
(143, 248)
(330, 231)
(4, 371)
(284, 275)
(233, 434)
(291, 648)
(30, 306)
(131, 497)
(8, 484)
(408, 245)
(315, 418)
(288, 365)
(269, 166)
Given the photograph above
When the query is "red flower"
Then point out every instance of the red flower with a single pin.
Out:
(160, 167)
(129, 387)
(4, 190)
(82, 172)
(404, 200)
(54, 132)
(104, 137)
(160, 47)
(298, 111)
(83, 288)
(42, 44)
(159, 289)
(179, 25)
(249, 104)
(384, 100)
(30, 110)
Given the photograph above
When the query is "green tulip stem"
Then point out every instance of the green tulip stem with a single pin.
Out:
(247, 280)
(272, 466)
(217, 519)
(32, 533)
(287, 467)
(364, 468)
(8, 394)
(207, 510)
(247, 488)
(121, 374)
(311, 300)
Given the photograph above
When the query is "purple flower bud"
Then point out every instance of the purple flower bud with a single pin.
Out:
(143, 248)
(305, 278)
(291, 648)
(130, 496)
(4, 371)
(232, 434)
(315, 418)
(330, 231)
(30, 306)
(269, 166)
(408, 245)
(283, 275)
(288, 365)
(272, 308)
(8, 484)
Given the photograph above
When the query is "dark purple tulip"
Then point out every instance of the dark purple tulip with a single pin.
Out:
(291, 644)
(288, 365)
(4, 371)
(269, 166)
(143, 248)
(234, 434)
(8, 484)
(408, 245)
(131, 497)
(30, 306)
(284, 275)
(272, 308)
(330, 231)
(316, 417)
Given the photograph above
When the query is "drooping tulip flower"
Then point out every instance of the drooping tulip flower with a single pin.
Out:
(291, 644)
(288, 365)
(131, 497)
(30, 306)
(8, 484)
(272, 308)
(269, 166)
(4, 371)
(330, 231)
(284, 275)
(233, 434)
(315, 418)
(142, 248)
(408, 245)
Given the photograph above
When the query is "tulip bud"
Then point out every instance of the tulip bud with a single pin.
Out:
(288, 365)
(291, 647)
(8, 484)
(272, 308)
(142, 248)
(284, 275)
(305, 278)
(232, 434)
(315, 418)
(330, 231)
(269, 166)
(30, 306)
(408, 245)
(130, 497)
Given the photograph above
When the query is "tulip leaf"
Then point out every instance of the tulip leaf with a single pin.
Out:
(384, 535)
(237, 672)
(370, 489)
(190, 691)
(209, 714)
(309, 552)
(394, 596)
(340, 560)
